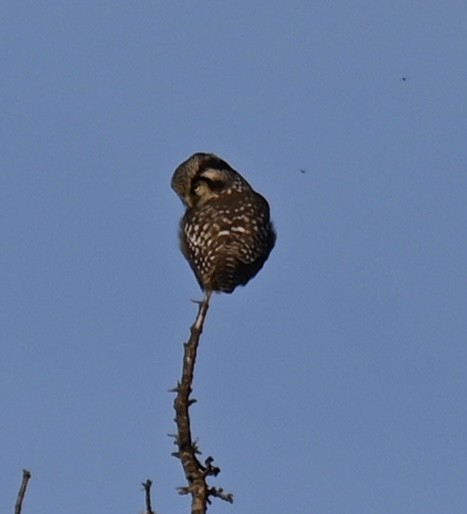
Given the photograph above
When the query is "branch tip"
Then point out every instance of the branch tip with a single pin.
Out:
(147, 489)
(22, 491)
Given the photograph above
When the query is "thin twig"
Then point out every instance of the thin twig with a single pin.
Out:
(147, 489)
(195, 471)
(22, 491)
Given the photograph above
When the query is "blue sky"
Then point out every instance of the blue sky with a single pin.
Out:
(335, 382)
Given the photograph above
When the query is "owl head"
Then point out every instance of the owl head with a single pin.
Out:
(203, 177)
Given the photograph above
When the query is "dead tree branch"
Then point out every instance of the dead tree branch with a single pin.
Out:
(147, 490)
(22, 491)
(196, 473)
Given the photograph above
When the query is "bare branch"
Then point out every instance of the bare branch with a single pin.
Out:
(22, 491)
(195, 471)
(147, 489)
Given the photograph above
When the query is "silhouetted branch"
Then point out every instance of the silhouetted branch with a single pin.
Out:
(195, 471)
(22, 491)
(147, 489)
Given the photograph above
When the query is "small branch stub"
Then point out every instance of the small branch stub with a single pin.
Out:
(22, 491)
(147, 490)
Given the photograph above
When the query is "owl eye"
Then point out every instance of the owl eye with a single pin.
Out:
(204, 185)
(216, 186)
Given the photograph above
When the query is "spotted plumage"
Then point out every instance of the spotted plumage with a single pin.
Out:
(226, 233)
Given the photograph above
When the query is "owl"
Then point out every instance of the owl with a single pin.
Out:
(226, 233)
